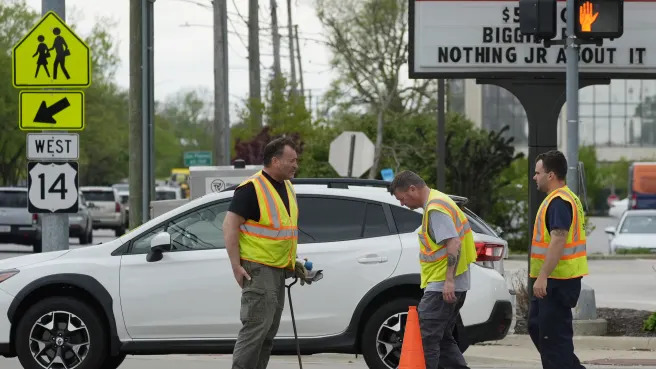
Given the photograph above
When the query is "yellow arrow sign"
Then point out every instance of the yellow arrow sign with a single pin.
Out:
(52, 111)
(51, 55)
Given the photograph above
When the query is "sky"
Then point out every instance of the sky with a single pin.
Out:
(184, 44)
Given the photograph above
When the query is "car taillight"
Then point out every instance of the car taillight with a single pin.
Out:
(117, 208)
(634, 201)
(35, 218)
(488, 252)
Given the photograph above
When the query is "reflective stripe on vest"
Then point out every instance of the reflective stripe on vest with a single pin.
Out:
(275, 231)
(462, 228)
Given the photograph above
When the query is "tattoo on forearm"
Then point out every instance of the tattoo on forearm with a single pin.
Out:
(451, 260)
(559, 232)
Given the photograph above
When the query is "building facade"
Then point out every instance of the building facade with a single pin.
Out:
(618, 119)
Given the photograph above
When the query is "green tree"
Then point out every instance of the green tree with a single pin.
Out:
(369, 45)
(16, 19)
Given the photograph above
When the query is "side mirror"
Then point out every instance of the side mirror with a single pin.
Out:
(610, 230)
(160, 243)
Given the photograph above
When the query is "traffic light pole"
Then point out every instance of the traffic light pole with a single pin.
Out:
(572, 92)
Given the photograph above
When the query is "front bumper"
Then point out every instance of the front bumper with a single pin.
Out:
(495, 328)
(5, 326)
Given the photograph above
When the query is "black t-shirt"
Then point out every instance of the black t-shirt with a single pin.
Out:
(559, 214)
(244, 201)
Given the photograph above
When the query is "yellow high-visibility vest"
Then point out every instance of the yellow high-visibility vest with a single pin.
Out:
(574, 261)
(273, 239)
(433, 257)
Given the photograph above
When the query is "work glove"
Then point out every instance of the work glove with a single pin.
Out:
(304, 275)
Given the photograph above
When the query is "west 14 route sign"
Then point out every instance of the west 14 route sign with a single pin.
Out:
(51, 55)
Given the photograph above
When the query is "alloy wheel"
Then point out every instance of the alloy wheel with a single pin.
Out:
(389, 339)
(59, 340)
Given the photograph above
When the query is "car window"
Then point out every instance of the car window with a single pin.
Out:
(13, 199)
(639, 224)
(406, 220)
(375, 223)
(477, 224)
(199, 230)
(327, 219)
(165, 195)
(99, 196)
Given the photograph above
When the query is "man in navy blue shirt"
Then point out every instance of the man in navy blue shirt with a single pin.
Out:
(558, 261)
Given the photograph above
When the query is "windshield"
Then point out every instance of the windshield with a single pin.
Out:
(165, 195)
(99, 196)
(13, 199)
(639, 224)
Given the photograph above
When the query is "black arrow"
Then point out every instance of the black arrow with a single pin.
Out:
(46, 113)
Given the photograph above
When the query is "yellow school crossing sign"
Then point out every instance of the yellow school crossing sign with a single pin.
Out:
(51, 111)
(51, 55)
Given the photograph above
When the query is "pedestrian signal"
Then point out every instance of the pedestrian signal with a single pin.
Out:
(598, 19)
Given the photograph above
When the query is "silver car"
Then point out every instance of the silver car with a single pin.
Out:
(17, 225)
(80, 224)
(107, 211)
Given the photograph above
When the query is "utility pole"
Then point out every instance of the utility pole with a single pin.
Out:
(136, 114)
(276, 40)
(291, 45)
(254, 58)
(54, 227)
(441, 136)
(147, 107)
(300, 66)
(221, 152)
(572, 96)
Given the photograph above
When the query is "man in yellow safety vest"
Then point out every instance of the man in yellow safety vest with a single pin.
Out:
(261, 234)
(446, 248)
(558, 262)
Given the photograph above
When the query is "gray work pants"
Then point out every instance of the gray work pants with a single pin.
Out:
(262, 303)
(437, 318)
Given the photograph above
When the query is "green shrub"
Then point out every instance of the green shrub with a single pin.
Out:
(650, 323)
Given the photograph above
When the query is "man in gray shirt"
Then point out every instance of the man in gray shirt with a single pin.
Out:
(446, 250)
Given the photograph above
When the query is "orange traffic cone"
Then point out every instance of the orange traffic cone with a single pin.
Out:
(412, 351)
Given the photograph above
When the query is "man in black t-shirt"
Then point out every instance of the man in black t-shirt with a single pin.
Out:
(262, 250)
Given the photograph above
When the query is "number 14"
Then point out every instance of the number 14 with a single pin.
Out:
(53, 189)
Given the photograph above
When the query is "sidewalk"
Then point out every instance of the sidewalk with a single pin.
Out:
(592, 350)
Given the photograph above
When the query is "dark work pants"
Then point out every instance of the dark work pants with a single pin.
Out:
(550, 324)
(262, 303)
(437, 318)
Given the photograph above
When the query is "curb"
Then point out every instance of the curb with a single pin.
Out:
(524, 257)
(590, 342)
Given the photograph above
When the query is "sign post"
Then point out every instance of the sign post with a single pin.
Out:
(61, 61)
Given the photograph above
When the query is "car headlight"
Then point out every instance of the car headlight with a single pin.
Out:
(6, 274)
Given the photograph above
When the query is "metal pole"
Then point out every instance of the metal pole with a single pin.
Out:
(54, 227)
(291, 46)
(255, 92)
(145, 173)
(298, 56)
(572, 94)
(136, 163)
(151, 103)
(276, 39)
(441, 136)
(221, 152)
(351, 155)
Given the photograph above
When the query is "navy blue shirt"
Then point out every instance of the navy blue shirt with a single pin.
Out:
(559, 214)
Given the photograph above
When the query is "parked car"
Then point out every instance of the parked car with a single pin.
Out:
(80, 224)
(618, 208)
(636, 230)
(112, 299)
(17, 225)
(107, 211)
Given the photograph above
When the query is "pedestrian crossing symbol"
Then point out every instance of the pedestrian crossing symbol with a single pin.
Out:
(51, 55)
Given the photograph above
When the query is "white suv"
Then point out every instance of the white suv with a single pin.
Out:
(55, 306)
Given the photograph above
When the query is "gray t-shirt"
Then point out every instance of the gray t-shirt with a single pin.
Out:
(441, 228)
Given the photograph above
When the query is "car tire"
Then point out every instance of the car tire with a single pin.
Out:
(120, 231)
(67, 329)
(37, 246)
(386, 313)
(113, 362)
(87, 238)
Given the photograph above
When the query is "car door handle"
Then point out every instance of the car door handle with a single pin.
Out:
(372, 259)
